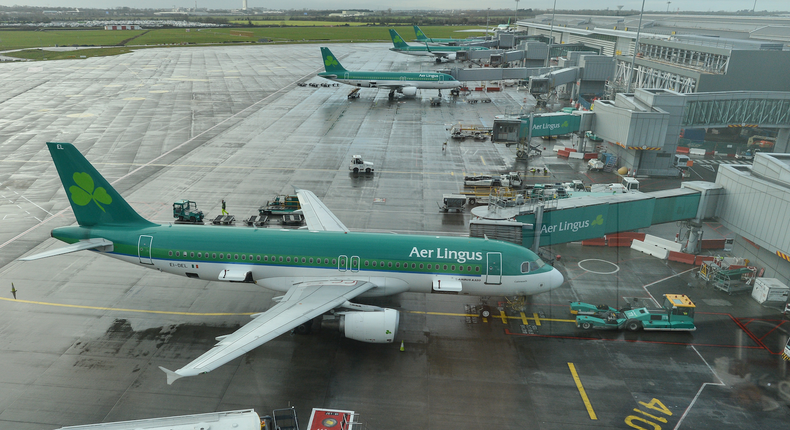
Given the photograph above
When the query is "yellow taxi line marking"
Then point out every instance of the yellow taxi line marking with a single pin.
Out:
(537, 318)
(204, 166)
(483, 161)
(582, 392)
(503, 316)
(101, 308)
(524, 318)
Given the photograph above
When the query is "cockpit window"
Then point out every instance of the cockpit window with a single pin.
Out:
(531, 266)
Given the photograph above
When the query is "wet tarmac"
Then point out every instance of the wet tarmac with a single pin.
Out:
(83, 340)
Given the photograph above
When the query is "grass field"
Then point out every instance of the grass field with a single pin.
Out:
(19, 39)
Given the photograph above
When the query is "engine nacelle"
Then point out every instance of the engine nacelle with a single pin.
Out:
(373, 327)
(450, 57)
(409, 91)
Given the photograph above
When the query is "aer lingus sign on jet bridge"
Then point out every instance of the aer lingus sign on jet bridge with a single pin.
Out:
(550, 124)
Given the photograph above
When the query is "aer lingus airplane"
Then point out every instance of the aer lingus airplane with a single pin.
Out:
(446, 52)
(318, 269)
(404, 83)
(422, 38)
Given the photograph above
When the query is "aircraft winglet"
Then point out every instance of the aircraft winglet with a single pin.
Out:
(171, 376)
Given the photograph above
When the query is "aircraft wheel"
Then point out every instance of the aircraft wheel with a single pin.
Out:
(472, 201)
(356, 170)
(367, 170)
(586, 325)
(633, 325)
(192, 219)
(485, 312)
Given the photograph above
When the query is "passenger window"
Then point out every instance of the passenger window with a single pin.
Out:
(421, 266)
(281, 259)
(213, 255)
(236, 256)
(178, 253)
(257, 258)
(287, 259)
(170, 253)
(413, 265)
(243, 257)
(389, 264)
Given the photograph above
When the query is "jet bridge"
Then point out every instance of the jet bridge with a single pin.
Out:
(593, 215)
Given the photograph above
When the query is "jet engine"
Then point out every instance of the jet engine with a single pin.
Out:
(450, 57)
(409, 91)
(372, 326)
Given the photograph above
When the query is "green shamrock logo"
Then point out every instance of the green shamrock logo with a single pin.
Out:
(565, 124)
(398, 39)
(420, 33)
(83, 192)
(330, 61)
(598, 221)
(389, 332)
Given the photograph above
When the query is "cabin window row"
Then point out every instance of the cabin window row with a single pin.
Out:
(311, 260)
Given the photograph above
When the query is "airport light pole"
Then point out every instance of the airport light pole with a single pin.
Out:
(668, 6)
(515, 16)
(636, 48)
(551, 35)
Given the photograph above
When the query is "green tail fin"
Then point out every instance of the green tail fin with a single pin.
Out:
(331, 63)
(94, 201)
(397, 40)
(420, 35)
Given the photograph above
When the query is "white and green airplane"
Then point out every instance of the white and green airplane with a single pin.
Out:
(446, 52)
(405, 83)
(319, 269)
(422, 38)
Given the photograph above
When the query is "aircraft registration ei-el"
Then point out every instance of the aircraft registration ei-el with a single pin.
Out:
(319, 269)
(405, 83)
(446, 52)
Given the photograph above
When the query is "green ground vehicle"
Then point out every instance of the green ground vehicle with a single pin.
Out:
(677, 315)
(187, 211)
(581, 308)
(280, 205)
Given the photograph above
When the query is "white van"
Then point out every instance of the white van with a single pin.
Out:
(681, 160)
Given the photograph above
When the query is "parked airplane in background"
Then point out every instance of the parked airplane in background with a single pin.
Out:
(422, 38)
(446, 52)
(500, 27)
(318, 270)
(404, 83)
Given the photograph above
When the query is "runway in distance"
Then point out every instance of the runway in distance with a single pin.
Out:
(446, 52)
(405, 83)
(318, 269)
(422, 38)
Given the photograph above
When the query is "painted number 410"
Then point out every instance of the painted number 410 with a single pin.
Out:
(635, 420)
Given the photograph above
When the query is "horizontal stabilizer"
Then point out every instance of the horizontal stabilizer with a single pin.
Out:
(100, 244)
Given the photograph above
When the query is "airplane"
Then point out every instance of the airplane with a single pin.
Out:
(446, 52)
(319, 269)
(501, 27)
(404, 83)
(422, 38)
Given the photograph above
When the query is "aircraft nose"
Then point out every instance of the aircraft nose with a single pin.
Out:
(555, 279)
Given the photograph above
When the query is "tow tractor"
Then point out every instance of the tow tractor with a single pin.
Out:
(677, 315)
(359, 165)
(186, 211)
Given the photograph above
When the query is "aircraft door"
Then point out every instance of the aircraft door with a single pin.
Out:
(493, 268)
(342, 263)
(144, 249)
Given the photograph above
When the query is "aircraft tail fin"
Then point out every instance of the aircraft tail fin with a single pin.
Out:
(331, 63)
(93, 200)
(420, 35)
(397, 40)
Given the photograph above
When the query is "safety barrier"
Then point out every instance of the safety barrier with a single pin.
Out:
(681, 257)
(649, 249)
(601, 241)
(713, 243)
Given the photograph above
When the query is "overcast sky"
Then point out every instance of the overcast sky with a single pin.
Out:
(685, 5)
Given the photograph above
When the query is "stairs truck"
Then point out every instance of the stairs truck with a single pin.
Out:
(677, 314)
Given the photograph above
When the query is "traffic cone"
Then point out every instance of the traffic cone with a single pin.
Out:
(401, 347)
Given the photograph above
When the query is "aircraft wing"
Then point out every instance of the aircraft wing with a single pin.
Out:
(316, 214)
(302, 303)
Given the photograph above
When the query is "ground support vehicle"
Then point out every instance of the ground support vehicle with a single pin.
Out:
(280, 205)
(454, 202)
(462, 132)
(354, 94)
(484, 195)
(677, 314)
(359, 165)
(728, 278)
(581, 308)
(257, 220)
(512, 179)
(186, 211)
(595, 164)
(285, 419)
(293, 219)
(224, 220)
